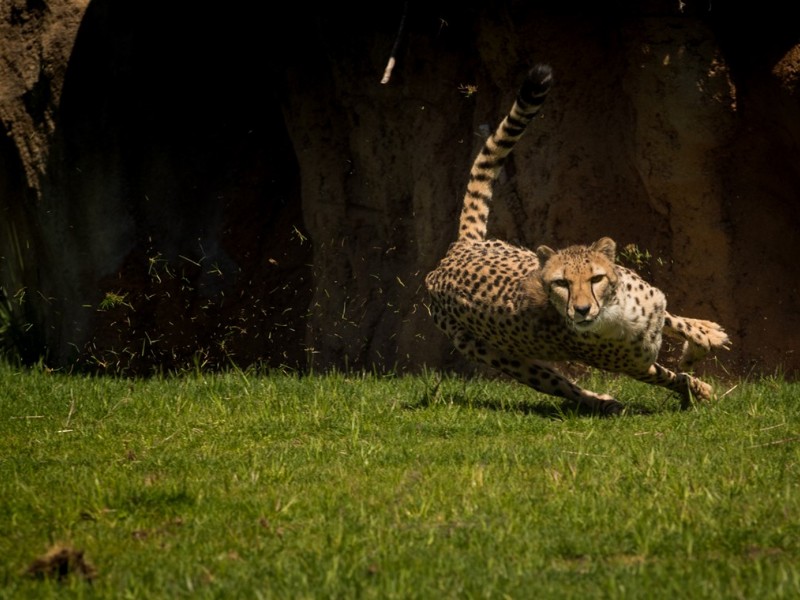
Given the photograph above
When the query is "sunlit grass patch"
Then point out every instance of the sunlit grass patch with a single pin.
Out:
(273, 485)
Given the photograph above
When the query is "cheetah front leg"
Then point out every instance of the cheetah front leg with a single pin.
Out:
(686, 386)
(533, 373)
(700, 337)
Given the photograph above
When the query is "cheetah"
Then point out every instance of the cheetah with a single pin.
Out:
(519, 311)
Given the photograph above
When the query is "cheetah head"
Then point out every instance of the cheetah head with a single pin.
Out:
(579, 280)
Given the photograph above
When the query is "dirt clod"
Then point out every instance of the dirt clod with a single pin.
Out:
(59, 562)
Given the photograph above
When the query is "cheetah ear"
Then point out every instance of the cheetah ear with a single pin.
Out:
(544, 253)
(607, 246)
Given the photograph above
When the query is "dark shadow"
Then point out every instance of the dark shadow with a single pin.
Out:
(553, 409)
(177, 189)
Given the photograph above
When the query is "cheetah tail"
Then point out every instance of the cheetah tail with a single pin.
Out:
(486, 167)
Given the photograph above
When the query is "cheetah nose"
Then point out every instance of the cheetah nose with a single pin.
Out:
(582, 310)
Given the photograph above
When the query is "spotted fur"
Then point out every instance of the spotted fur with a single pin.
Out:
(518, 310)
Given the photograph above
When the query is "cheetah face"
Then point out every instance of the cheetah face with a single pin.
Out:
(579, 297)
(579, 281)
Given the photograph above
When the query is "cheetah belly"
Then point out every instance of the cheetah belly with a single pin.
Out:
(544, 335)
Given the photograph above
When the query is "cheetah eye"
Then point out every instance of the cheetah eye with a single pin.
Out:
(597, 279)
(562, 283)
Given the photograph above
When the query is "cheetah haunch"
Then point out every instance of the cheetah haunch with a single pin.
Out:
(511, 308)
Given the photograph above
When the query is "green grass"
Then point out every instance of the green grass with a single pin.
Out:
(275, 486)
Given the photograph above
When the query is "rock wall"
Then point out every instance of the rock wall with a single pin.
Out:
(190, 188)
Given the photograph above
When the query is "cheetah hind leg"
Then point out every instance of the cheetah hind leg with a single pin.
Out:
(689, 388)
(534, 374)
(700, 337)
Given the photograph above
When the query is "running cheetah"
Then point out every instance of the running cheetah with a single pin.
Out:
(512, 309)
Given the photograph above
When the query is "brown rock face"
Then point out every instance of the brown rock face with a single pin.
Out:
(191, 188)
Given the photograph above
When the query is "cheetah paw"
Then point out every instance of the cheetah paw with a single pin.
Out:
(695, 390)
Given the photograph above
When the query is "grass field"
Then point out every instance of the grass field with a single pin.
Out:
(247, 485)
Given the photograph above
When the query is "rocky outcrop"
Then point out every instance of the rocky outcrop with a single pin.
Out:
(188, 188)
